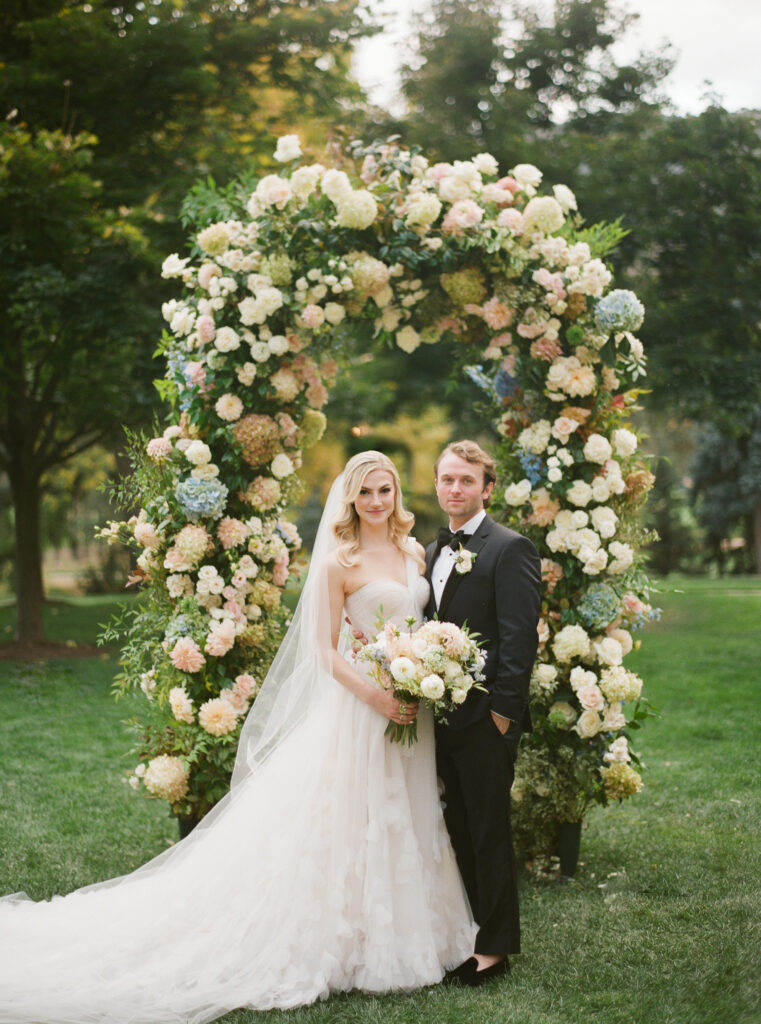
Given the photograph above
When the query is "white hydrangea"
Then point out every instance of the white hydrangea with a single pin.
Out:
(618, 684)
(618, 751)
(288, 148)
(565, 197)
(407, 339)
(335, 184)
(357, 209)
(422, 210)
(281, 466)
(571, 642)
(485, 163)
(528, 177)
(535, 438)
(542, 213)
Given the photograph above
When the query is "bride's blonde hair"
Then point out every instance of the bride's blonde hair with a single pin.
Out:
(346, 525)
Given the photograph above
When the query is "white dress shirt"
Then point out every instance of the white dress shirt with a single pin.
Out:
(445, 560)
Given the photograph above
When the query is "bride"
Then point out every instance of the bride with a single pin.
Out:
(326, 868)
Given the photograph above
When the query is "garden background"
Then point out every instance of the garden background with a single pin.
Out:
(111, 115)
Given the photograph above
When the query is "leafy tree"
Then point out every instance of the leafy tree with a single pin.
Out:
(68, 361)
(726, 473)
(476, 80)
(168, 90)
(695, 212)
(172, 90)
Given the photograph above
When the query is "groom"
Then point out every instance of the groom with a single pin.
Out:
(494, 591)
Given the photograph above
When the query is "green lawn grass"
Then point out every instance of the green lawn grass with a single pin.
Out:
(661, 924)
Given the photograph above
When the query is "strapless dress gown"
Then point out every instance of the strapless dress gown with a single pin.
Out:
(329, 869)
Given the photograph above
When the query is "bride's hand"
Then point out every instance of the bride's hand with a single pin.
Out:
(399, 711)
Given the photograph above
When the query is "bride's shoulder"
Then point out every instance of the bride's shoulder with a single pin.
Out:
(417, 551)
(332, 565)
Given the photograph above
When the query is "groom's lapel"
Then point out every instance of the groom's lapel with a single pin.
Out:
(474, 543)
(430, 558)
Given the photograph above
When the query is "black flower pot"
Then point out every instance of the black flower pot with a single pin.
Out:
(569, 840)
(186, 824)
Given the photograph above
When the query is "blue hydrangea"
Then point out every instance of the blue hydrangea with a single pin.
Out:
(505, 384)
(178, 626)
(599, 607)
(201, 499)
(176, 363)
(533, 467)
(619, 311)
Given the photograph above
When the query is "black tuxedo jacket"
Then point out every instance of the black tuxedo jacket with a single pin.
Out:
(500, 600)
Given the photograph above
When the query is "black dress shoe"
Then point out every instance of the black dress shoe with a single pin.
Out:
(478, 978)
(458, 975)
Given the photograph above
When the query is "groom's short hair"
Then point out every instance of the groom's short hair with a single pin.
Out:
(471, 452)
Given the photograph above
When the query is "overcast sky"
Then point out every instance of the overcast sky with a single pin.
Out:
(716, 42)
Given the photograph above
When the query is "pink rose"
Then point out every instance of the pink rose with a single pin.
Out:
(206, 273)
(158, 448)
(632, 604)
(509, 183)
(591, 698)
(563, 427)
(511, 219)
(195, 374)
(313, 316)
(280, 570)
(206, 328)
(235, 610)
(437, 172)
(549, 281)
(463, 214)
(245, 684)
(237, 701)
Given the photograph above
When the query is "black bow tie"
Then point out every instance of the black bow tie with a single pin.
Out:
(448, 539)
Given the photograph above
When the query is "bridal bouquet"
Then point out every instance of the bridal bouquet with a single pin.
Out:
(438, 662)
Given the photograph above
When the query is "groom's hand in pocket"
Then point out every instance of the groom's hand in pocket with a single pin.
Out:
(502, 723)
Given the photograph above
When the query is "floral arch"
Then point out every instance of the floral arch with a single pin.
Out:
(405, 253)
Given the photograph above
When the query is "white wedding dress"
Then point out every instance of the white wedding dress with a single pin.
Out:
(327, 869)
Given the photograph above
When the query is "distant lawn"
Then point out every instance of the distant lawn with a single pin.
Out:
(661, 926)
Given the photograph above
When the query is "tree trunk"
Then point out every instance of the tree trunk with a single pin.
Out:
(757, 535)
(25, 486)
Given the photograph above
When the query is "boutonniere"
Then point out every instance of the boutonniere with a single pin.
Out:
(463, 561)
